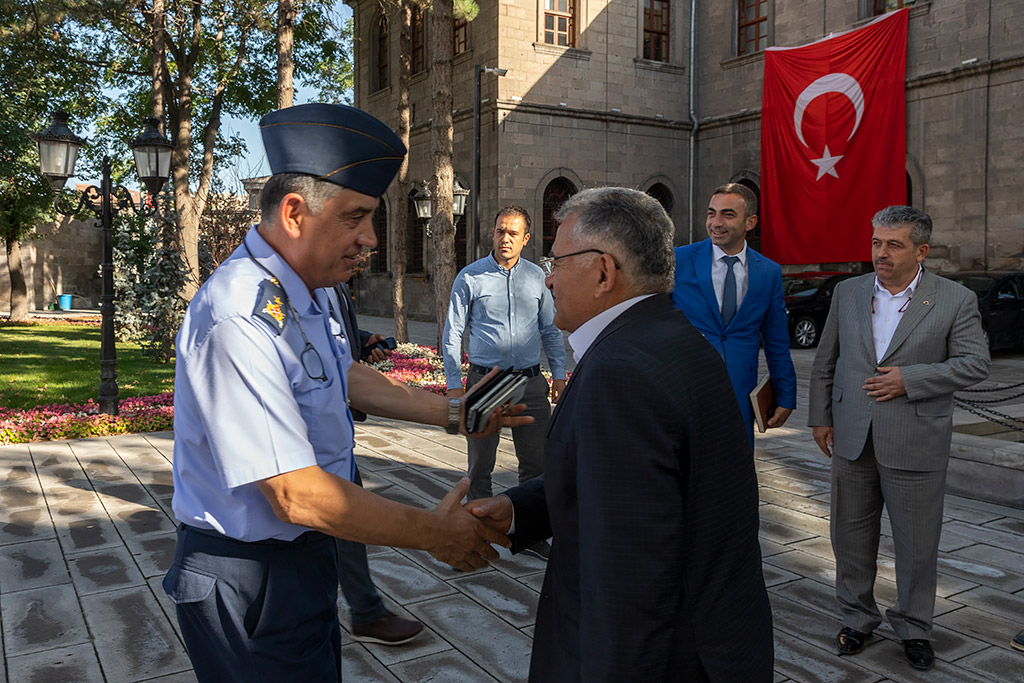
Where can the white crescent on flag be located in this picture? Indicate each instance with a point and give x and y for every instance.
(843, 84)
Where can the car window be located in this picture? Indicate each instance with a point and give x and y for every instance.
(979, 284)
(1008, 289)
(794, 286)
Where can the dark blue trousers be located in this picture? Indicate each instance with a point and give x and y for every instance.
(262, 611)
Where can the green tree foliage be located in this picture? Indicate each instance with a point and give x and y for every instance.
(40, 68)
(218, 59)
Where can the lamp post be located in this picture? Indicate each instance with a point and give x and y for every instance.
(473, 234)
(58, 152)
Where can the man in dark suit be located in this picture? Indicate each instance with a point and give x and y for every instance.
(733, 296)
(372, 622)
(896, 345)
(649, 492)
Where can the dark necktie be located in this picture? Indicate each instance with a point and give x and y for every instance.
(729, 291)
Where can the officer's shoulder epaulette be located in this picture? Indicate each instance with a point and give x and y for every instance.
(271, 304)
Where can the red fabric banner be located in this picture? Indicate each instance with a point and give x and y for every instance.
(833, 142)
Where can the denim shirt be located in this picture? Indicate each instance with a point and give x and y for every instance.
(508, 312)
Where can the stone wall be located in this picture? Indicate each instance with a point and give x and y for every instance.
(64, 260)
(600, 114)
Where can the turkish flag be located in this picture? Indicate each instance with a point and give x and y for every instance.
(833, 142)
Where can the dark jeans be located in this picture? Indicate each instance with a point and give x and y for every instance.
(261, 611)
(528, 439)
(364, 602)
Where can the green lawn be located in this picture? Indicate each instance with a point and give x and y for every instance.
(46, 363)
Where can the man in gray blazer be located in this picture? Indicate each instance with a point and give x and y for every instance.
(895, 347)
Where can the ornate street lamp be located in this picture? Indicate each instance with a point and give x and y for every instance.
(422, 200)
(58, 151)
(459, 195)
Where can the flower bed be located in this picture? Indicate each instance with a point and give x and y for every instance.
(77, 420)
(419, 366)
(87, 321)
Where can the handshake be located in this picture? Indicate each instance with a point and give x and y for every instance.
(464, 533)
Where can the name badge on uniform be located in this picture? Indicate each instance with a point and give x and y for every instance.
(271, 304)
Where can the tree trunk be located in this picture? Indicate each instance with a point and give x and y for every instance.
(285, 63)
(159, 61)
(398, 243)
(442, 253)
(19, 292)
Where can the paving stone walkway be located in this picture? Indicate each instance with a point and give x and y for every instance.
(87, 532)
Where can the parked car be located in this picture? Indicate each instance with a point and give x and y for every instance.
(1001, 300)
(808, 297)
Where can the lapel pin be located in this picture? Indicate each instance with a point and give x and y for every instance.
(926, 302)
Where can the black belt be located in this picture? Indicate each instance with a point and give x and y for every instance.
(526, 372)
(302, 539)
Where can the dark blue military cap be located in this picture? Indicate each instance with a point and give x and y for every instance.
(334, 142)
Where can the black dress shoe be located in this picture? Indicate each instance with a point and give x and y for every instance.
(1018, 641)
(919, 653)
(850, 641)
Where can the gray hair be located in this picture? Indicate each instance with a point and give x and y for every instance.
(316, 192)
(635, 229)
(897, 216)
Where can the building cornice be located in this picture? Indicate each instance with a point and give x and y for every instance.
(956, 73)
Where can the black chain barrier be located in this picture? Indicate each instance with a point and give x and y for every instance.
(976, 406)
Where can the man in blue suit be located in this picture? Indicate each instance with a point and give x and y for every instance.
(733, 296)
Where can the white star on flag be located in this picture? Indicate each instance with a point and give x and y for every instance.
(827, 164)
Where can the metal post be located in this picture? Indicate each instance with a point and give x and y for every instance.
(475, 232)
(108, 396)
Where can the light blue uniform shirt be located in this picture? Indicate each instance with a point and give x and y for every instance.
(509, 312)
(245, 409)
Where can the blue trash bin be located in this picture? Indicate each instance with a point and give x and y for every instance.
(65, 302)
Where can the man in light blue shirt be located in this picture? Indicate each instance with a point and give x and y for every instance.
(263, 463)
(501, 299)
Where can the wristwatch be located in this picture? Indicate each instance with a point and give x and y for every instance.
(454, 413)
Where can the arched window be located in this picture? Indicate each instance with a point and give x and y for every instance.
(419, 41)
(754, 236)
(555, 194)
(379, 257)
(382, 62)
(664, 196)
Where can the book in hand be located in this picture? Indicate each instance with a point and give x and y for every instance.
(505, 388)
(762, 400)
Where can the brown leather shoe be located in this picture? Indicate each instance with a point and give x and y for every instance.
(388, 630)
(919, 653)
(850, 641)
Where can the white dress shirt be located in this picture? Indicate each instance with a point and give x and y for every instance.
(718, 269)
(584, 335)
(887, 310)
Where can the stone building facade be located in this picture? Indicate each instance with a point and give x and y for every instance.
(631, 92)
(63, 258)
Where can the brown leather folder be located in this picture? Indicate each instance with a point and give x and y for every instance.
(762, 400)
